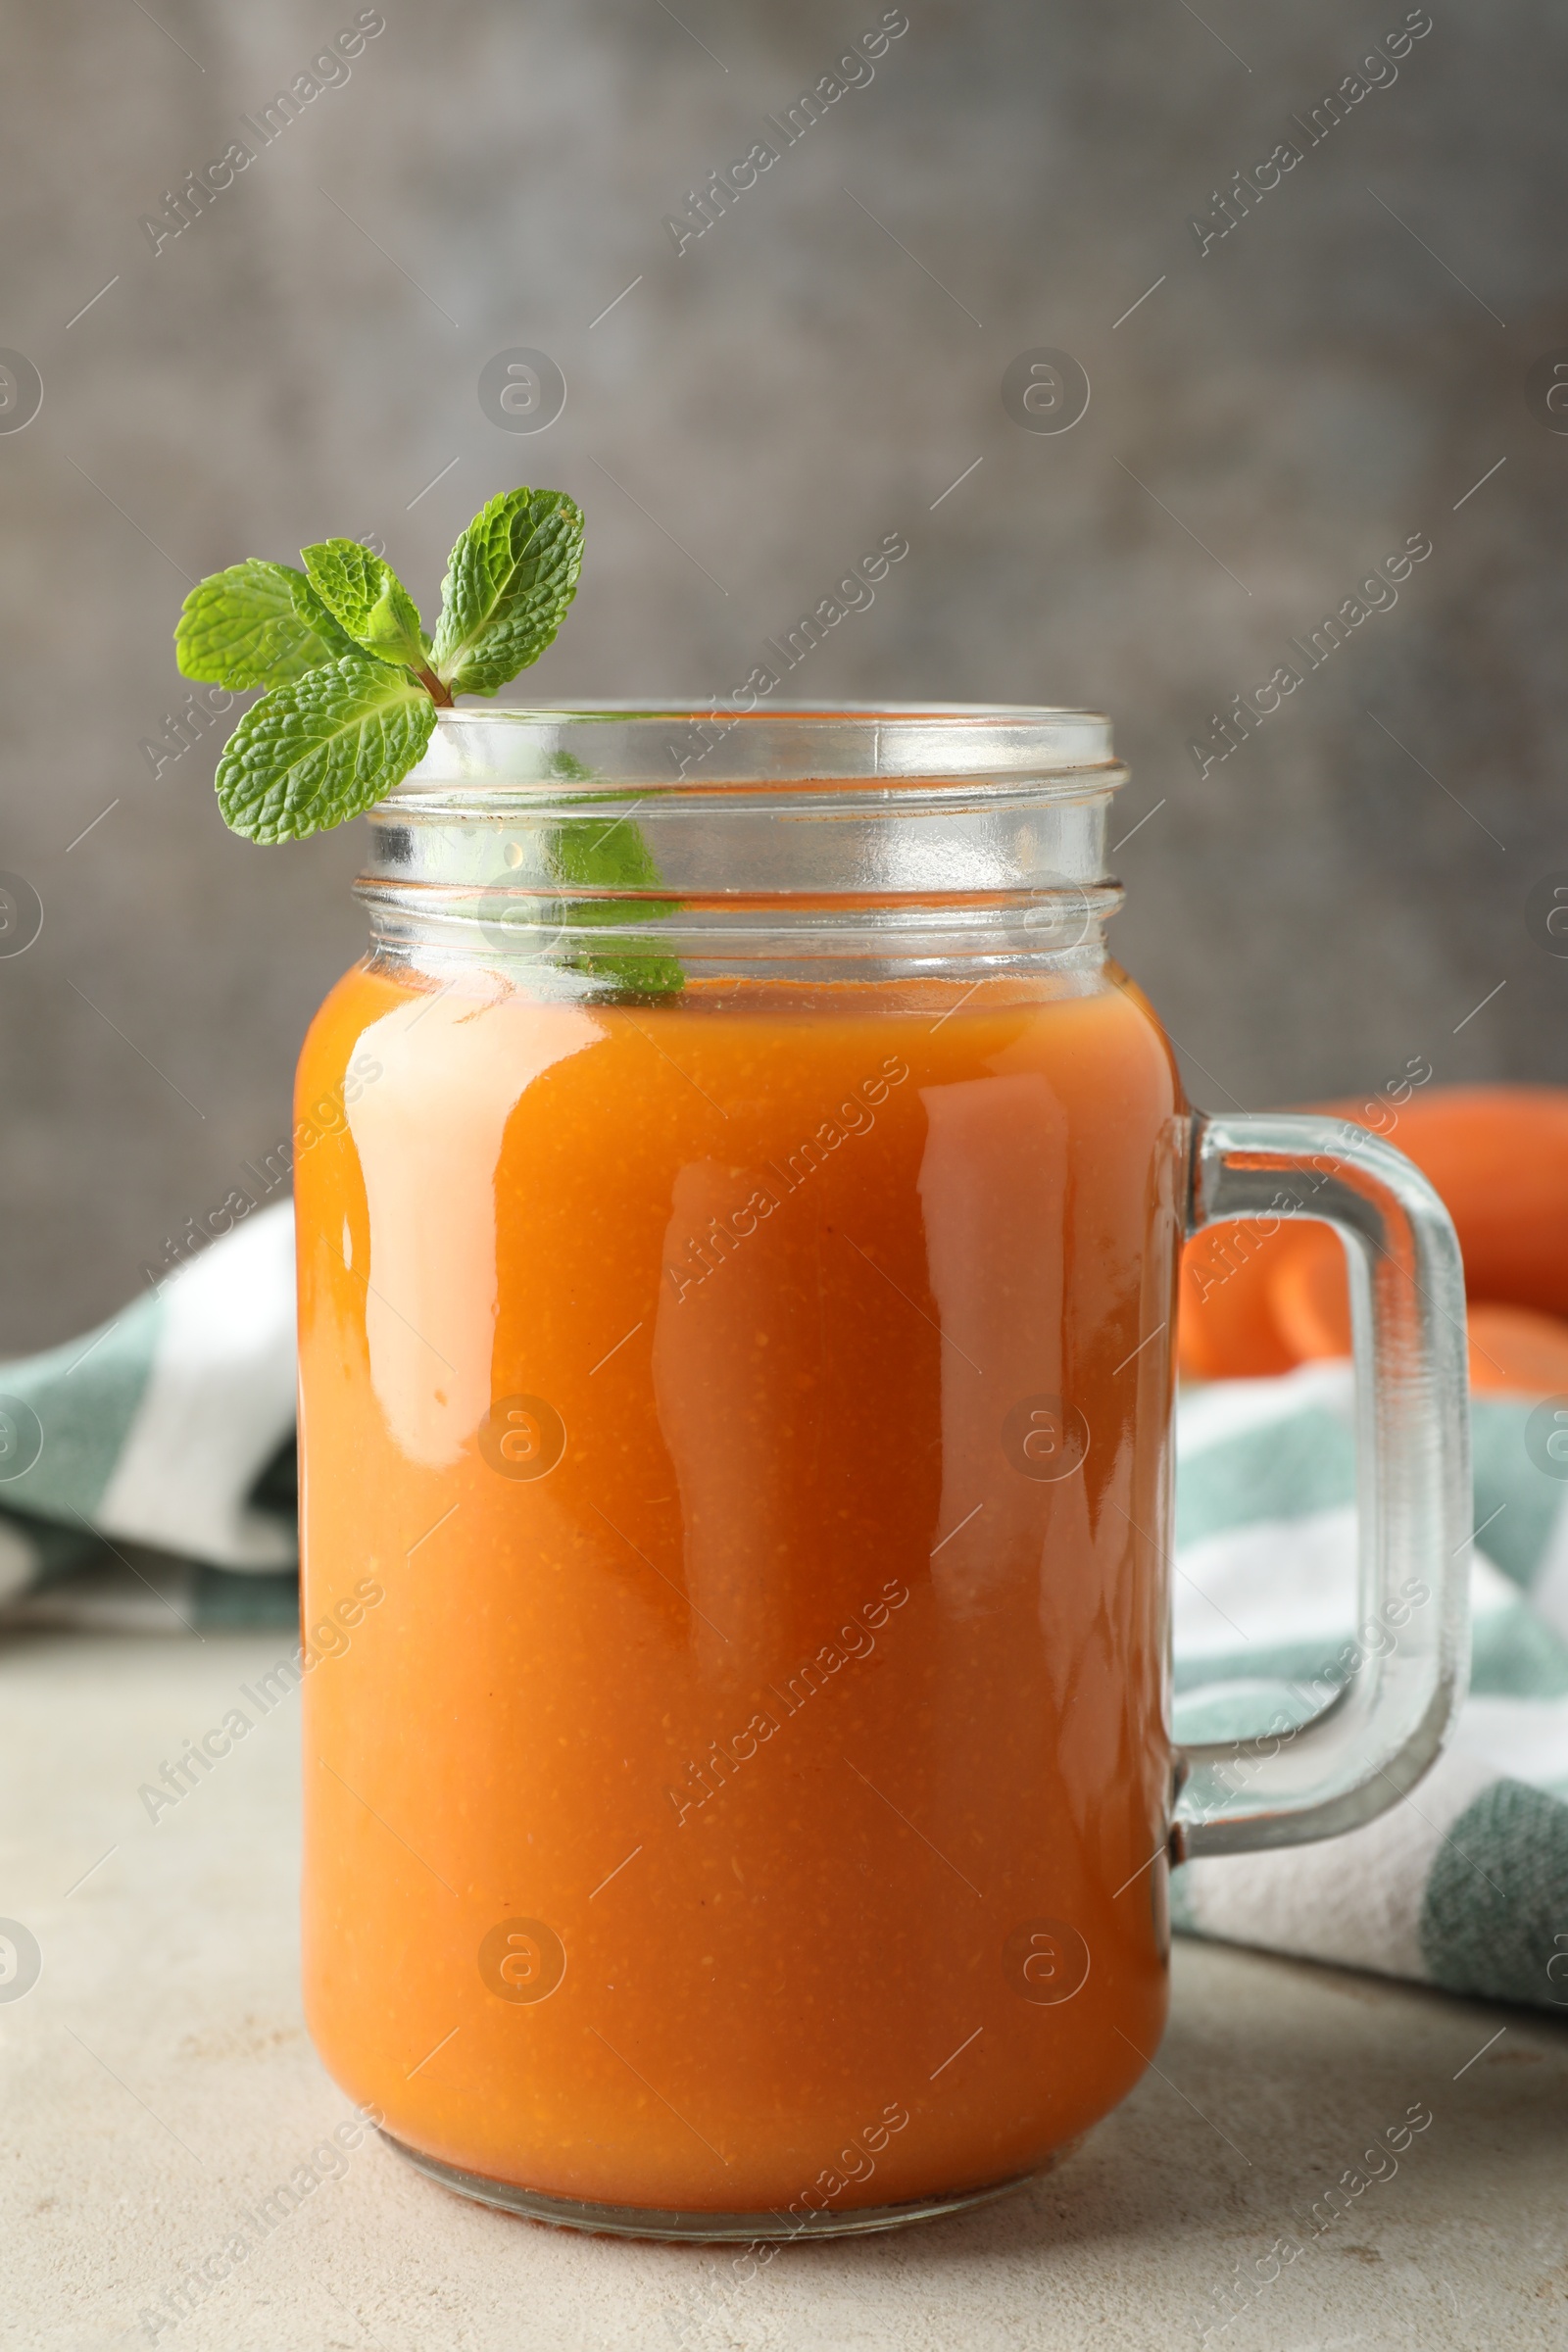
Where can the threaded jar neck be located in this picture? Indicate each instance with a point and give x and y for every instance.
(552, 845)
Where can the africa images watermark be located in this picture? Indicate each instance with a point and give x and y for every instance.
(1228, 729)
(324, 1118)
(1328, 2210)
(855, 591)
(855, 1115)
(1222, 1250)
(184, 729)
(183, 206)
(854, 1638)
(328, 1639)
(705, 206)
(709, 2298)
(1378, 73)
(1374, 1640)
(327, 2161)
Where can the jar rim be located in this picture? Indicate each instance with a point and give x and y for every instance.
(699, 745)
(620, 710)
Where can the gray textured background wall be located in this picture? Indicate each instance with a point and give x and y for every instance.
(1278, 413)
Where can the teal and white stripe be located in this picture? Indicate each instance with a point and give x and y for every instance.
(158, 1429)
(1464, 1882)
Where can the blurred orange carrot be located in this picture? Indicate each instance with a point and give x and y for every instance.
(1254, 1303)
(1513, 1348)
(1224, 1328)
(1498, 1156)
(1308, 1296)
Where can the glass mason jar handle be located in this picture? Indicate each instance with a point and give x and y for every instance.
(1362, 1752)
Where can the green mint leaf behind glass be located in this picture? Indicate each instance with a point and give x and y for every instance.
(613, 853)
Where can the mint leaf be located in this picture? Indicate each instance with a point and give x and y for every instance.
(365, 595)
(323, 748)
(609, 852)
(256, 624)
(510, 579)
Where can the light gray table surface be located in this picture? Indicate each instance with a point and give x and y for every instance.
(157, 2082)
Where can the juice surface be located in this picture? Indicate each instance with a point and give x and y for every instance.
(734, 1460)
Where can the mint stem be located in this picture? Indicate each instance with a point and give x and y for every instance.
(434, 689)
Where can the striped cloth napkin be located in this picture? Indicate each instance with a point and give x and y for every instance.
(147, 1483)
(147, 1468)
(1464, 1882)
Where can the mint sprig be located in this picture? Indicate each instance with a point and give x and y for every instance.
(353, 682)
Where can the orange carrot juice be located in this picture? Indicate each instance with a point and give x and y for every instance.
(734, 1446)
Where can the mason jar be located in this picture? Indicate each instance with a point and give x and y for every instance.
(736, 1312)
